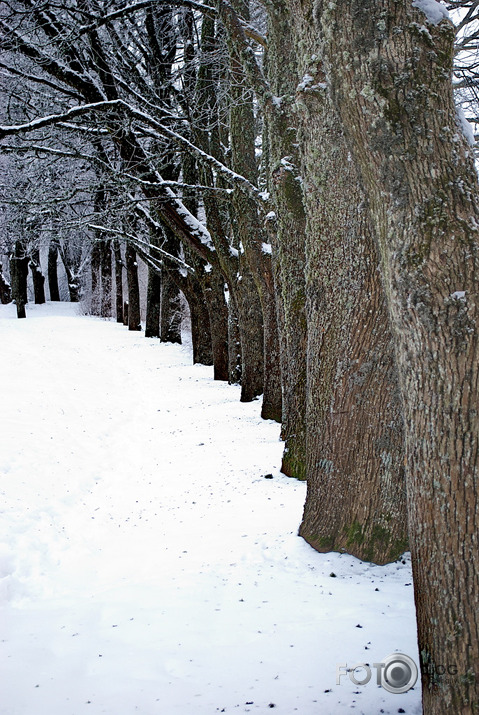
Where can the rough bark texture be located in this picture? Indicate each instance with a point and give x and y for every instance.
(290, 238)
(356, 489)
(134, 320)
(393, 90)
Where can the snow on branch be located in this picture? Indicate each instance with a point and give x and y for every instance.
(159, 132)
(141, 5)
(142, 245)
(199, 238)
(52, 119)
(434, 11)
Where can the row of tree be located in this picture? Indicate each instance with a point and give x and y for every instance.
(299, 172)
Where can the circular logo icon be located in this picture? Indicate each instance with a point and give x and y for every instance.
(399, 673)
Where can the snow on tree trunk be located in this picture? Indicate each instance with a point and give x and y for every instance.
(5, 289)
(389, 65)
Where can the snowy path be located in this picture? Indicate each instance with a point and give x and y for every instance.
(146, 564)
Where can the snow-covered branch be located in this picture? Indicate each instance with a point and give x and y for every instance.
(134, 7)
(137, 242)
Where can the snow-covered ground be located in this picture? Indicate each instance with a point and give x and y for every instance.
(146, 563)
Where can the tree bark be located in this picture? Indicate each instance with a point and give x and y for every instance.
(19, 274)
(234, 344)
(289, 238)
(356, 489)
(53, 270)
(71, 257)
(170, 313)
(134, 318)
(214, 297)
(153, 304)
(230, 259)
(200, 326)
(106, 279)
(250, 233)
(5, 289)
(95, 259)
(37, 277)
(394, 95)
(118, 281)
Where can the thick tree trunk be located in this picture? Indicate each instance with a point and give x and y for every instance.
(53, 270)
(170, 313)
(134, 318)
(37, 277)
(153, 304)
(356, 489)
(396, 103)
(106, 279)
(118, 281)
(19, 275)
(200, 327)
(289, 238)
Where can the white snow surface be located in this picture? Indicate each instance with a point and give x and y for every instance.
(146, 564)
(465, 126)
(434, 11)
